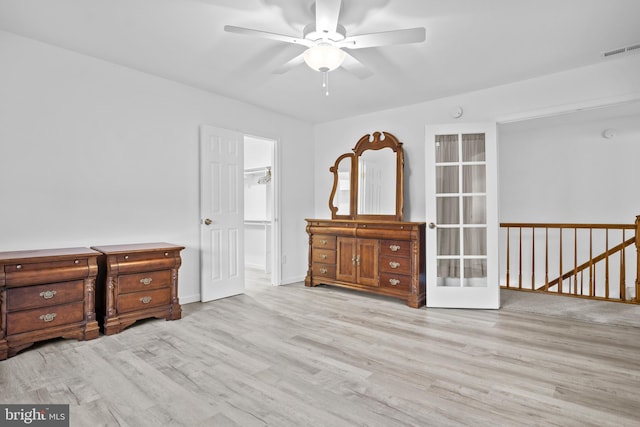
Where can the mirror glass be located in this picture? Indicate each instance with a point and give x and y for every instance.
(342, 198)
(377, 182)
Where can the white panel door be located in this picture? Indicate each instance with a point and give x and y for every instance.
(221, 213)
(462, 216)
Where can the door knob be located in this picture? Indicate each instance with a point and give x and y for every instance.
(207, 221)
(432, 225)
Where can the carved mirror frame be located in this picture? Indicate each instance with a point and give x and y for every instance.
(377, 141)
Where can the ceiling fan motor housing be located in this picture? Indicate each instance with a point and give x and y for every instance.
(309, 33)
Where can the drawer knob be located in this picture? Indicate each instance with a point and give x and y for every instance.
(48, 317)
(394, 248)
(166, 254)
(48, 294)
(394, 264)
(126, 257)
(394, 282)
(323, 256)
(77, 261)
(145, 300)
(323, 271)
(146, 280)
(324, 242)
(19, 267)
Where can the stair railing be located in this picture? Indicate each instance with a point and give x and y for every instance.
(596, 261)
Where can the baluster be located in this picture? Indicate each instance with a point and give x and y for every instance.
(606, 264)
(575, 261)
(637, 297)
(520, 262)
(508, 256)
(623, 289)
(591, 266)
(546, 259)
(533, 258)
(560, 265)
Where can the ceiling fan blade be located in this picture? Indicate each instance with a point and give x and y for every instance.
(267, 35)
(298, 60)
(385, 38)
(356, 67)
(327, 13)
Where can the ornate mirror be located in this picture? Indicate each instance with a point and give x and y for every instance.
(369, 183)
(341, 201)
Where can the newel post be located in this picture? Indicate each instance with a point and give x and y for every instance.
(637, 297)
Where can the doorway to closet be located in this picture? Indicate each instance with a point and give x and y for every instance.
(260, 190)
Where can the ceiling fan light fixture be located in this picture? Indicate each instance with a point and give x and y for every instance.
(324, 57)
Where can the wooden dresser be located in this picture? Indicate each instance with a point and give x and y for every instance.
(382, 257)
(135, 282)
(46, 294)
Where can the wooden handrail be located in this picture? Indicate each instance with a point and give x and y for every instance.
(592, 261)
(558, 225)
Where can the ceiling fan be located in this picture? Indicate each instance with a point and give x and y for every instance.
(326, 41)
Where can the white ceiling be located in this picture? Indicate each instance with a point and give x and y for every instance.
(471, 44)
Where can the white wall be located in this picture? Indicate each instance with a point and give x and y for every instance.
(92, 153)
(564, 165)
(609, 81)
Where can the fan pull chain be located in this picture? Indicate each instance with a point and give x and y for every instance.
(325, 82)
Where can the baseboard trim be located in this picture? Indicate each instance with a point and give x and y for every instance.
(290, 280)
(189, 299)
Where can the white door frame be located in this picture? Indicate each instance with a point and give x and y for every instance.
(276, 265)
(276, 272)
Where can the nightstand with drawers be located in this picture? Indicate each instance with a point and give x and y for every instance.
(137, 281)
(46, 294)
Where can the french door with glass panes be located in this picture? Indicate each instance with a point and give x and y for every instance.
(462, 232)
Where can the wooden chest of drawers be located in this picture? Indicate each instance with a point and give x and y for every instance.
(135, 282)
(46, 294)
(382, 257)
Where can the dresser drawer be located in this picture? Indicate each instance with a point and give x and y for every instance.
(397, 282)
(32, 273)
(324, 256)
(144, 281)
(143, 300)
(44, 295)
(323, 241)
(141, 262)
(395, 265)
(323, 270)
(45, 317)
(398, 248)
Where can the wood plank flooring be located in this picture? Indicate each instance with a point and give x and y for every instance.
(296, 356)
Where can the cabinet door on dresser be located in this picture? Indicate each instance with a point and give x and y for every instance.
(367, 262)
(357, 261)
(346, 253)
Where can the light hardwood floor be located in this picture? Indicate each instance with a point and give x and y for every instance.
(296, 356)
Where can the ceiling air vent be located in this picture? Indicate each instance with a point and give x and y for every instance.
(621, 50)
